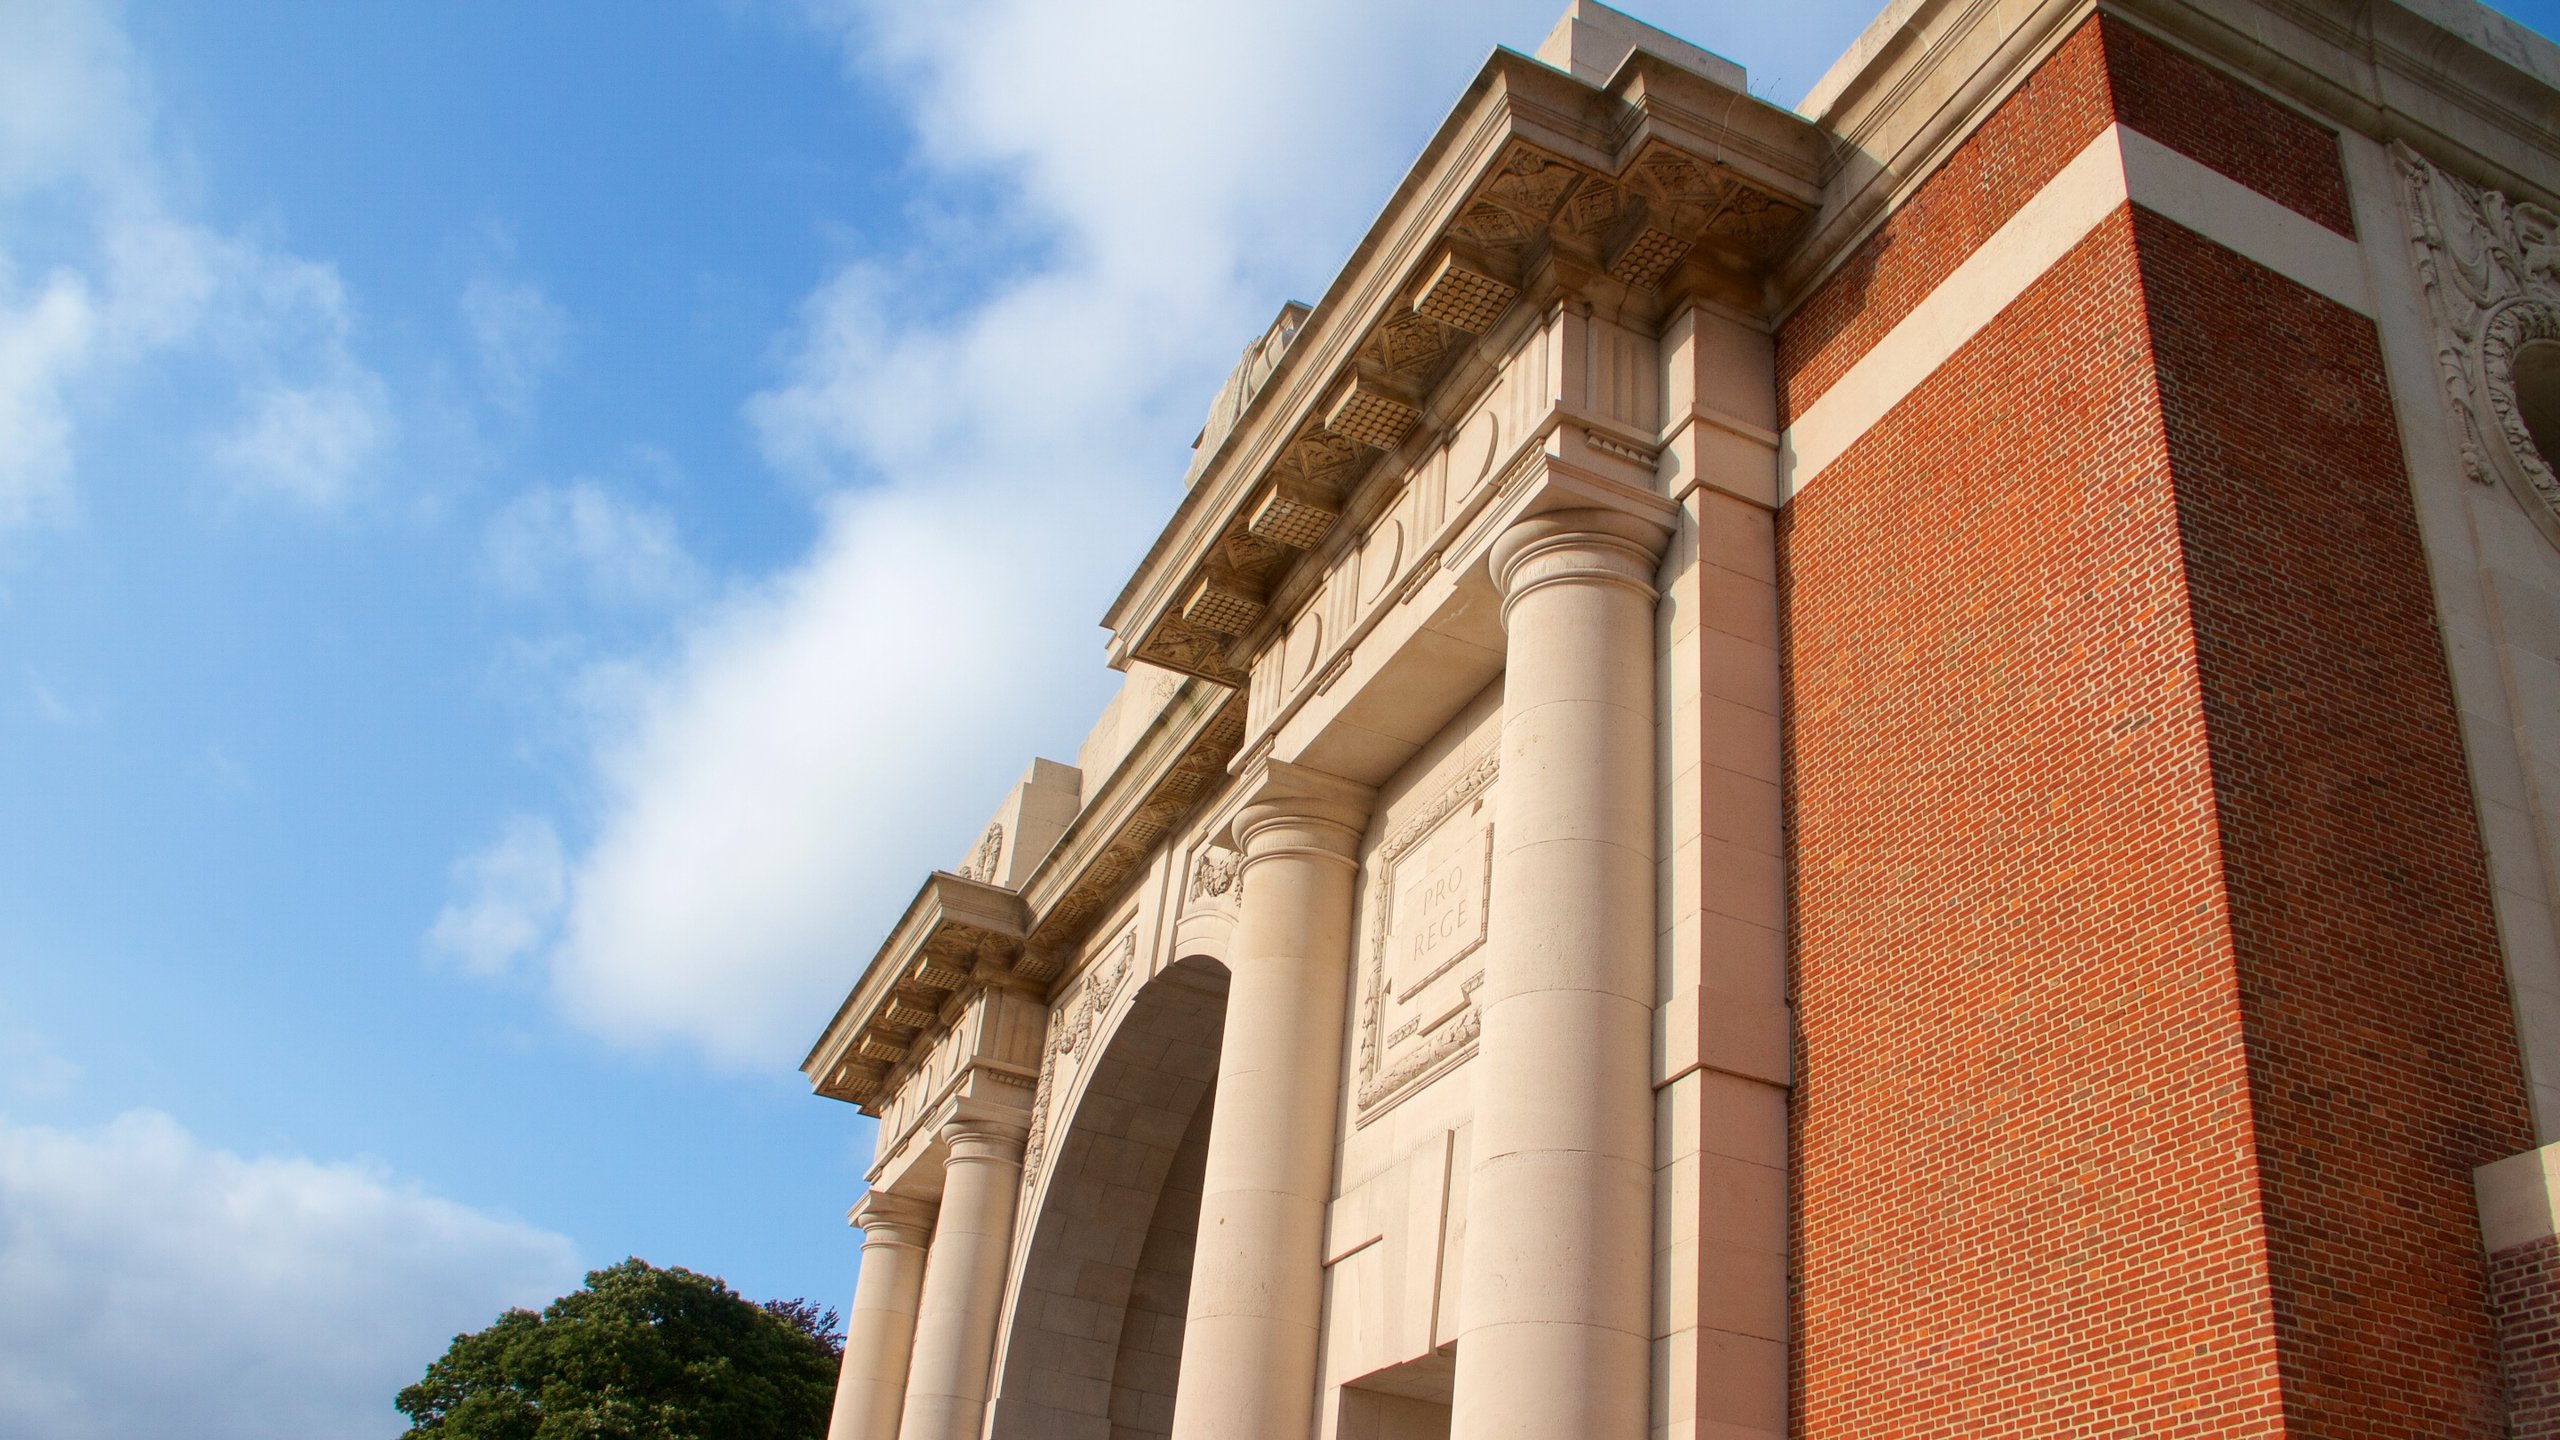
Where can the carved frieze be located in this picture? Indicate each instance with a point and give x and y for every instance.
(2491, 267)
(1430, 907)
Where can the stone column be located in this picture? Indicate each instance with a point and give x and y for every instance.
(1257, 1277)
(964, 1273)
(1555, 1303)
(881, 1331)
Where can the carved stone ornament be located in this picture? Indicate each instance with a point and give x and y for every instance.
(1035, 1147)
(982, 864)
(1448, 1037)
(1071, 1027)
(2489, 266)
(1099, 988)
(1215, 875)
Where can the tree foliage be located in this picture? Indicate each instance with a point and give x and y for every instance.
(639, 1354)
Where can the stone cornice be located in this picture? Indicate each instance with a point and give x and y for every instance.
(956, 934)
(1663, 184)
(2418, 73)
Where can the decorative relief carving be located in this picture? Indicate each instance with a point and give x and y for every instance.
(1035, 1146)
(1408, 347)
(1071, 1029)
(982, 864)
(1530, 182)
(1099, 988)
(2491, 266)
(1429, 916)
(1216, 873)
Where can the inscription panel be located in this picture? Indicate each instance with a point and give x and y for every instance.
(1429, 913)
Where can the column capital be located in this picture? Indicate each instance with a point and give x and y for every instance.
(886, 1219)
(976, 1129)
(1293, 810)
(1584, 545)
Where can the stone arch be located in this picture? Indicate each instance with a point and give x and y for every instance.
(1094, 1337)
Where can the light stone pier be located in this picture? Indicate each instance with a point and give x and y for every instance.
(1556, 1338)
(1250, 1342)
(880, 1333)
(955, 1330)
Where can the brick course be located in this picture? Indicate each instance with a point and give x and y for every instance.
(2524, 1292)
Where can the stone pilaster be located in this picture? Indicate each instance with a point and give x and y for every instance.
(1556, 1307)
(880, 1333)
(1249, 1343)
(955, 1335)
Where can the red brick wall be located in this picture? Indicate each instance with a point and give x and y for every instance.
(2382, 1048)
(2026, 1186)
(2105, 71)
(2524, 1290)
(2151, 1012)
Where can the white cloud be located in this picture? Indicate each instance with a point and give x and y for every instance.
(510, 900)
(517, 334)
(101, 272)
(998, 415)
(307, 442)
(161, 1286)
(617, 552)
(46, 339)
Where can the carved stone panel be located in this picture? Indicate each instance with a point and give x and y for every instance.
(1071, 1044)
(1429, 909)
(2491, 266)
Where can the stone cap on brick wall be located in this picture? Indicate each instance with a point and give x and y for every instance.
(2517, 1199)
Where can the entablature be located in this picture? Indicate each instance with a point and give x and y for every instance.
(957, 936)
(1661, 188)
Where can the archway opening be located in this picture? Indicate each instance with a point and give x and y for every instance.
(1095, 1341)
(2537, 377)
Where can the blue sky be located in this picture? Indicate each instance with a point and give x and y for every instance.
(524, 531)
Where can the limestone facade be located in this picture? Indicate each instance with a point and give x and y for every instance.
(1889, 769)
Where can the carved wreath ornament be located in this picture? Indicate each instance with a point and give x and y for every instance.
(1069, 1030)
(2489, 266)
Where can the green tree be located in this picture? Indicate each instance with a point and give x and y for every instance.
(639, 1354)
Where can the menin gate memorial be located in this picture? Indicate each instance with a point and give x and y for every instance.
(1890, 769)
